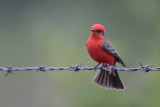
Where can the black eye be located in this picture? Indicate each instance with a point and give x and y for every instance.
(99, 31)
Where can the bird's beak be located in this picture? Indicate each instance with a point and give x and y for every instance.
(93, 30)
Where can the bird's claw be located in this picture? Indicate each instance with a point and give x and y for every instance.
(96, 67)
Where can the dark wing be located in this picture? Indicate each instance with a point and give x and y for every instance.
(107, 46)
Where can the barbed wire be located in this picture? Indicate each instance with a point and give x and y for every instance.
(43, 68)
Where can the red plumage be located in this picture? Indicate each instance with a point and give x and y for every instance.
(96, 51)
(102, 51)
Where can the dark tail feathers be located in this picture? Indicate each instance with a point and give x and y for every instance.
(110, 81)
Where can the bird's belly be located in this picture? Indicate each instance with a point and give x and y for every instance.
(98, 54)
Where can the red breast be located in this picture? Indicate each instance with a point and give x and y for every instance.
(96, 51)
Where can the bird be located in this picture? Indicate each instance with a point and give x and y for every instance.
(102, 51)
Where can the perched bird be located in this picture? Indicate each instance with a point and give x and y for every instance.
(102, 51)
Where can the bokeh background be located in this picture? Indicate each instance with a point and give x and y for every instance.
(54, 32)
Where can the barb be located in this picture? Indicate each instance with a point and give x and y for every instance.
(43, 68)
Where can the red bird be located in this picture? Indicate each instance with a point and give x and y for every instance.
(102, 51)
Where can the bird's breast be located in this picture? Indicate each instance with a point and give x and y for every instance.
(97, 52)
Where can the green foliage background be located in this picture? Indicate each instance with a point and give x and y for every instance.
(54, 32)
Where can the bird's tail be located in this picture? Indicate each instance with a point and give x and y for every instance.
(108, 80)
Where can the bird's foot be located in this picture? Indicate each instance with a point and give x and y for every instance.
(96, 66)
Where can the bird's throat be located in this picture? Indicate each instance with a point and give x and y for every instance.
(96, 36)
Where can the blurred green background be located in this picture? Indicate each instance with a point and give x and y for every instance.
(54, 32)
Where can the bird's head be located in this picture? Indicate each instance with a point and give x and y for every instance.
(98, 28)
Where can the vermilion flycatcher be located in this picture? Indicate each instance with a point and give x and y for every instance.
(102, 51)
